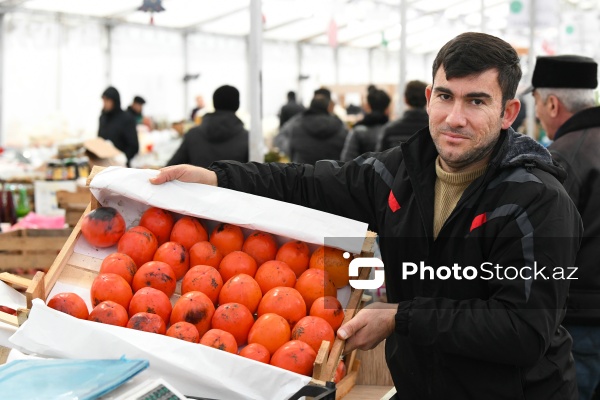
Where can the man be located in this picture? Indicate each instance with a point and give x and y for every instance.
(563, 88)
(364, 135)
(316, 134)
(195, 116)
(289, 109)
(467, 191)
(136, 108)
(414, 118)
(220, 136)
(117, 125)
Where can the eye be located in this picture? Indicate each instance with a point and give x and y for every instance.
(444, 96)
(478, 102)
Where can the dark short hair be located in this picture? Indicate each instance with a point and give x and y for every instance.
(320, 103)
(378, 100)
(139, 100)
(414, 93)
(324, 92)
(291, 95)
(472, 53)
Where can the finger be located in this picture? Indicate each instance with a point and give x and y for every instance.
(165, 175)
(347, 330)
(159, 179)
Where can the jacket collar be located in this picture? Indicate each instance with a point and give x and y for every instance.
(587, 118)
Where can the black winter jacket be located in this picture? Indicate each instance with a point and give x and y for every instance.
(402, 129)
(290, 109)
(457, 338)
(312, 136)
(363, 137)
(576, 147)
(119, 126)
(221, 136)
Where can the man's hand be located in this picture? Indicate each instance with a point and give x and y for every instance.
(185, 173)
(370, 326)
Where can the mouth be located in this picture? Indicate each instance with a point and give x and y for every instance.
(454, 136)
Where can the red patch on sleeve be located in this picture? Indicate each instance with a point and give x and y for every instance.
(478, 221)
(393, 203)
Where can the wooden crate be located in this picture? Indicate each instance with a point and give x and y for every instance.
(74, 203)
(81, 270)
(31, 248)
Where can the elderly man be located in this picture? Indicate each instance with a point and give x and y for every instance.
(565, 103)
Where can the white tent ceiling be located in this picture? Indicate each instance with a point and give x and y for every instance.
(360, 23)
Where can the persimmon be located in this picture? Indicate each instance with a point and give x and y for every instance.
(283, 301)
(270, 330)
(188, 231)
(109, 312)
(221, 340)
(195, 308)
(138, 243)
(333, 261)
(237, 262)
(330, 309)
(315, 283)
(234, 318)
(273, 274)
(261, 246)
(176, 256)
(205, 279)
(159, 222)
(151, 300)
(295, 356)
(69, 303)
(340, 372)
(147, 322)
(156, 274)
(110, 287)
(296, 255)
(257, 352)
(103, 227)
(312, 331)
(184, 331)
(120, 264)
(241, 289)
(204, 253)
(227, 238)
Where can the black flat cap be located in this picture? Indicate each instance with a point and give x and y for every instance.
(568, 72)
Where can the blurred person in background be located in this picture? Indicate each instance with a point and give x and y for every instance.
(414, 118)
(316, 134)
(117, 125)
(364, 135)
(565, 103)
(136, 108)
(196, 112)
(291, 108)
(220, 136)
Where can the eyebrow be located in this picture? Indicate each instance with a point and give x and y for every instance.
(471, 95)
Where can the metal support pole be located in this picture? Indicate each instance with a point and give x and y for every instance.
(402, 77)
(59, 42)
(482, 11)
(108, 54)
(255, 81)
(300, 66)
(2, 58)
(186, 71)
(529, 100)
(371, 74)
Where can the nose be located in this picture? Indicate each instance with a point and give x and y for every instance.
(456, 118)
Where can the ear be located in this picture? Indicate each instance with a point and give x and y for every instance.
(511, 110)
(428, 91)
(553, 105)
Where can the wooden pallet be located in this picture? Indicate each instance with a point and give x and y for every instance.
(31, 248)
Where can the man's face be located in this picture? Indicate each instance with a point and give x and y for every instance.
(137, 107)
(108, 104)
(465, 118)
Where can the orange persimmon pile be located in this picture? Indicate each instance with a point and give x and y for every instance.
(243, 295)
